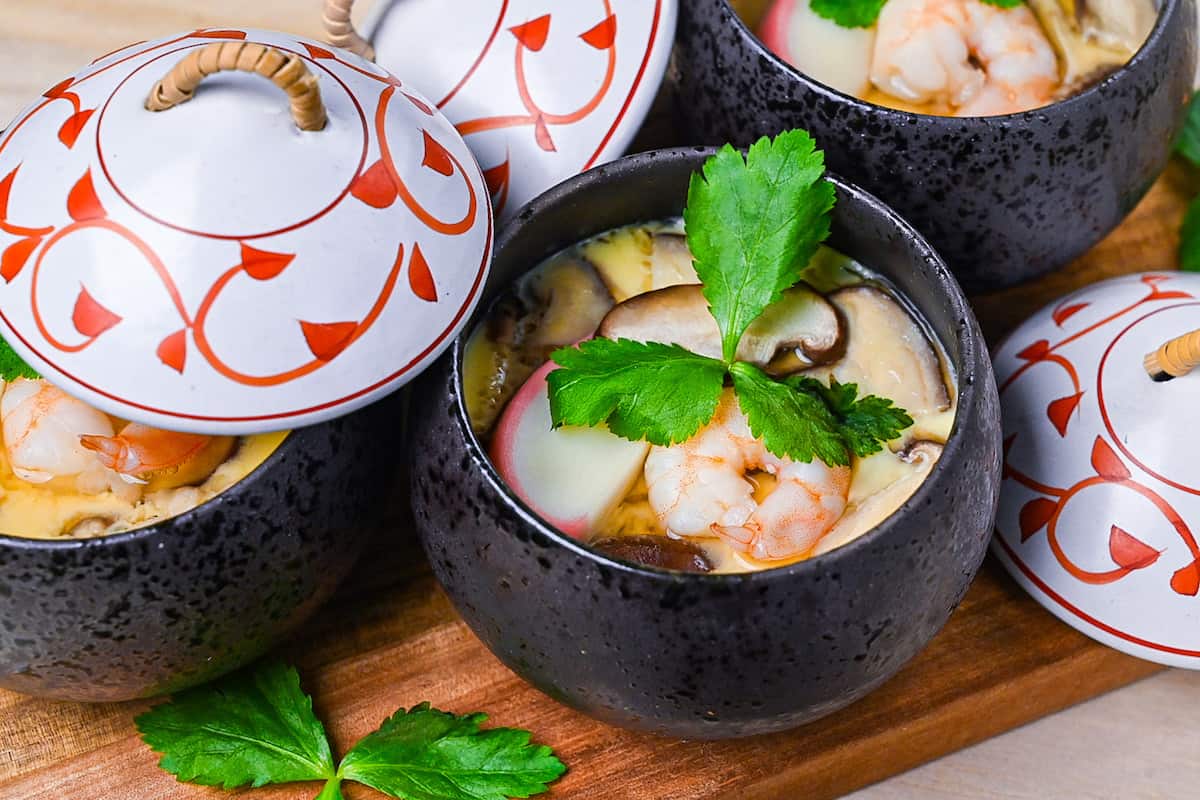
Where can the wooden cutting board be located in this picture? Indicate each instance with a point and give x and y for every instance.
(391, 638)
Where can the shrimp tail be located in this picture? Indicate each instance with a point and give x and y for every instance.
(113, 452)
(739, 537)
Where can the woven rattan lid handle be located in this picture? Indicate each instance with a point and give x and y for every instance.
(340, 30)
(285, 70)
(1176, 358)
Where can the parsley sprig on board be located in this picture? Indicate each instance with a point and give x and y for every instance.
(865, 13)
(1188, 146)
(752, 226)
(257, 727)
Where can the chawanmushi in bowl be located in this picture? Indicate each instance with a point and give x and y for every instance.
(1014, 134)
(221, 251)
(710, 475)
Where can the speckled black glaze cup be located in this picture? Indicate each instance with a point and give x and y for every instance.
(706, 656)
(167, 606)
(1003, 199)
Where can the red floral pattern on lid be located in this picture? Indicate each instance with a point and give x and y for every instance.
(149, 293)
(1102, 541)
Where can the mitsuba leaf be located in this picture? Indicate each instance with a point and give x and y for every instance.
(791, 424)
(12, 366)
(255, 727)
(641, 390)
(1188, 144)
(864, 424)
(753, 224)
(426, 754)
(865, 13)
(1189, 238)
(849, 13)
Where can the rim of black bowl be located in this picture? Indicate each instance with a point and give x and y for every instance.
(8, 540)
(966, 396)
(1165, 7)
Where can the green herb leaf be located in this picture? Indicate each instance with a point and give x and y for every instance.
(332, 790)
(792, 424)
(254, 727)
(1189, 238)
(865, 13)
(426, 754)
(849, 13)
(12, 366)
(866, 423)
(657, 392)
(1188, 144)
(754, 224)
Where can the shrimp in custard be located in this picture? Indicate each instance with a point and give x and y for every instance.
(701, 488)
(42, 425)
(968, 55)
(54, 439)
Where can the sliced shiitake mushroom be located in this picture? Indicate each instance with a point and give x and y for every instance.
(800, 330)
(915, 463)
(572, 300)
(554, 308)
(1094, 37)
(887, 354)
(635, 260)
(656, 551)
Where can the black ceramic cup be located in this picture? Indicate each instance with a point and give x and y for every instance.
(706, 656)
(1002, 199)
(180, 602)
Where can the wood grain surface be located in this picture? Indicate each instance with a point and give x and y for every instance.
(391, 637)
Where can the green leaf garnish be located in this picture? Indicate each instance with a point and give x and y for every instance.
(657, 392)
(12, 366)
(752, 226)
(792, 424)
(864, 423)
(257, 727)
(865, 13)
(426, 754)
(1189, 238)
(1188, 144)
(849, 13)
(252, 728)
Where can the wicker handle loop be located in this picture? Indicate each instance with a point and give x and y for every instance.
(340, 30)
(285, 70)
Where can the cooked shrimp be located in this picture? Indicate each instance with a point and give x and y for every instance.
(42, 426)
(976, 58)
(151, 455)
(700, 489)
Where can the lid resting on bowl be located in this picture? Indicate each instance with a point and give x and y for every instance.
(1100, 508)
(540, 90)
(282, 248)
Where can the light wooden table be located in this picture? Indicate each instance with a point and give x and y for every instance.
(1139, 742)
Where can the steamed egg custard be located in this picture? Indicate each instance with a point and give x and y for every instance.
(68, 470)
(968, 58)
(719, 501)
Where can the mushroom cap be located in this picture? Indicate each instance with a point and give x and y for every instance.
(887, 352)
(799, 331)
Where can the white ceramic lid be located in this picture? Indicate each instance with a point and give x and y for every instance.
(212, 267)
(1100, 506)
(540, 90)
